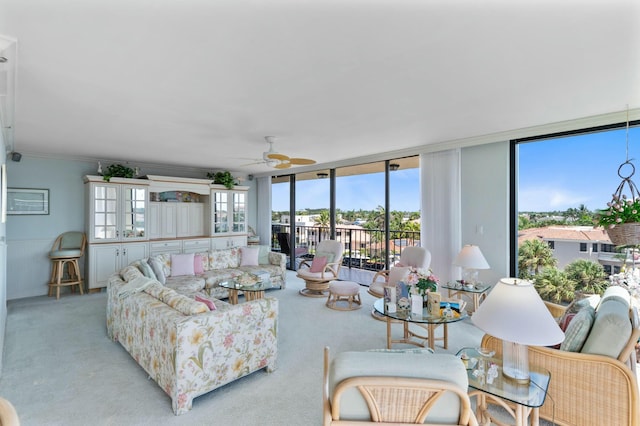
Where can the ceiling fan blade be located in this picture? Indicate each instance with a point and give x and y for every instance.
(276, 156)
(300, 161)
(282, 166)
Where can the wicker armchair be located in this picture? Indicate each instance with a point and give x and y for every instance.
(586, 389)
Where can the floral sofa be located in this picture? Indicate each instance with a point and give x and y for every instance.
(187, 347)
(196, 272)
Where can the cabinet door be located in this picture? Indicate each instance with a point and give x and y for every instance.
(219, 212)
(134, 212)
(104, 260)
(196, 219)
(133, 251)
(182, 220)
(168, 220)
(153, 221)
(239, 212)
(104, 212)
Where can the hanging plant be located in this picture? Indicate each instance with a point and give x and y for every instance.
(222, 178)
(118, 170)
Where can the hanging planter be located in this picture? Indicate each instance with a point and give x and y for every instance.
(621, 220)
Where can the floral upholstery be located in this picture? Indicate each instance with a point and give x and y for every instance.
(189, 355)
(185, 284)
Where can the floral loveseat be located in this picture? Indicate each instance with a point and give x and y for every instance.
(184, 346)
(196, 272)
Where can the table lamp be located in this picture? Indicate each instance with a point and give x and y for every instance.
(470, 259)
(515, 313)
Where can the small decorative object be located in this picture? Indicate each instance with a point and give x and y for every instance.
(416, 304)
(118, 170)
(433, 303)
(465, 359)
(247, 280)
(391, 307)
(390, 294)
(223, 178)
(447, 312)
(404, 304)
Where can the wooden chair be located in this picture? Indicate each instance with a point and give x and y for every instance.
(64, 255)
(317, 282)
(393, 399)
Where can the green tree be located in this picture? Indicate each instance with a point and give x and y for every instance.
(554, 285)
(533, 255)
(589, 276)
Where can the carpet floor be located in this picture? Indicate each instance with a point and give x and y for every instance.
(61, 369)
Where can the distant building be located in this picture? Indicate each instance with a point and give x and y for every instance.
(576, 242)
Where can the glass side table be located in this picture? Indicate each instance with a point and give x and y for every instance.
(521, 401)
(476, 293)
(251, 292)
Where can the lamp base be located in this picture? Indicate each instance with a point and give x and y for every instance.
(515, 362)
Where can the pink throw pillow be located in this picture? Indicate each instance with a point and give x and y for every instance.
(249, 256)
(198, 267)
(209, 303)
(181, 264)
(318, 264)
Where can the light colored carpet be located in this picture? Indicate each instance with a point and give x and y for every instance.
(61, 369)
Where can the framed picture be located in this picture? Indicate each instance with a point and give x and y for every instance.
(27, 201)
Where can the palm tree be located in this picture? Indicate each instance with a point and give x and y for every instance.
(588, 275)
(554, 285)
(323, 221)
(533, 255)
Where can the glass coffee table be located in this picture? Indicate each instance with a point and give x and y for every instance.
(521, 401)
(424, 320)
(250, 291)
(477, 293)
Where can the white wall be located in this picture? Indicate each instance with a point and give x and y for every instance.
(485, 205)
(29, 238)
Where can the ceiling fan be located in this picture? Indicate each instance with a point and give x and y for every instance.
(281, 161)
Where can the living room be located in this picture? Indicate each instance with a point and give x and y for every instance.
(570, 67)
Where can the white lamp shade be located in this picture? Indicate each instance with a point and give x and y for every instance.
(470, 257)
(515, 312)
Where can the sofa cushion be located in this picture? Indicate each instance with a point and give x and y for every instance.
(185, 284)
(144, 266)
(330, 256)
(263, 255)
(130, 272)
(611, 328)
(432, 366)
(182, 264)
(156, 266)
(208, 302)
(578, 330)
(249, 256)
(224, 258)
(198, 265)
(179, 302)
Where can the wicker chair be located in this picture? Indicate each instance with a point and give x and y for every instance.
(377, 392)
(414, 257)
(586, 389)
(8, 415)
(317, 282)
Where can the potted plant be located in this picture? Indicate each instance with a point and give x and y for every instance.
(223, 178)
(621, 220)
(118, 170)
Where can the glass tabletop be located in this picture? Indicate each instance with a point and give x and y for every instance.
(532, 394)
(259, 286)
(478, 288)
(424, 317)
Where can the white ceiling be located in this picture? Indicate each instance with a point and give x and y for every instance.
(201, 82)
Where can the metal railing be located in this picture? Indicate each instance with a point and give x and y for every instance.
(363, 248)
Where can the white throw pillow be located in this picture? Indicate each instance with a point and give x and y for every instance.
(249, 256)
(182, 264)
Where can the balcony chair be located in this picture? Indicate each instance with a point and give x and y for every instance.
(395, 388)
(64, 255)
(411, 257)
(324, 268)
(285, 248)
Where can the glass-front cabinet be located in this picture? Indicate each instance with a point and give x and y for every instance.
(228, 211)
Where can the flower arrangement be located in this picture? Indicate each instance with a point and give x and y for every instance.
(423, 280)
(619, 210)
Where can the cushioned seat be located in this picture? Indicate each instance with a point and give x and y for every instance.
(64, 255)
(344, 296)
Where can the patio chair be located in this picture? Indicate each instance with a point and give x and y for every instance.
(399, 388)
(324, 268)
(285, 248)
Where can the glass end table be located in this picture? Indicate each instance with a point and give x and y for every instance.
(521, 401)
(477, 293)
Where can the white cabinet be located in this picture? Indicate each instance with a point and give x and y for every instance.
(190, 220)
(153, 221)
(196, 246)
(226, 242)
(168, 224)
(106, 259)
(169, 246)
(117, 210)
(228, 211)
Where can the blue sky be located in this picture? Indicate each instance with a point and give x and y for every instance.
(555, 174)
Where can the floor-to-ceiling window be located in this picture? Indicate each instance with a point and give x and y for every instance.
(560, 183)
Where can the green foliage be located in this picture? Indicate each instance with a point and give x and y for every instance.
(534, 255)
(554, 285)
(222, 178)
(620, 210)
(589, 276)
(118, 170)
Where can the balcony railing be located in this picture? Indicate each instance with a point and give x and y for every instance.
(363, 248)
